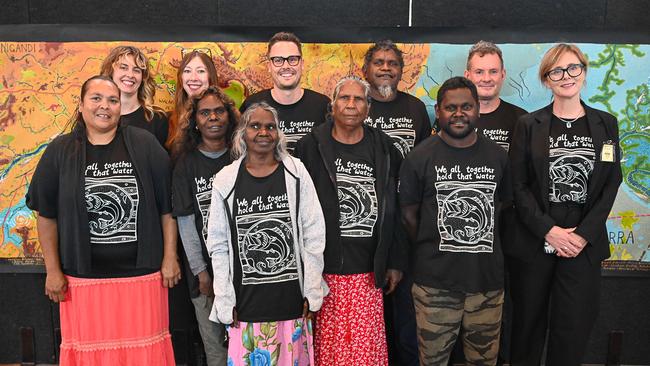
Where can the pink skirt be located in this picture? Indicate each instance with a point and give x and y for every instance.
(282, 343)
(116, 321)
(350, 327)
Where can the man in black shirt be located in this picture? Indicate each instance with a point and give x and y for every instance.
(485, 69)
(354, 168)
(299, 109)
(497, 122)
(404, 118)
(451, 189)
(400, 115)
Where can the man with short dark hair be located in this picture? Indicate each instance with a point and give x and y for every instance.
(486, 70)
(405, 119)
(354, 168)
(299, 109)
(451, 189)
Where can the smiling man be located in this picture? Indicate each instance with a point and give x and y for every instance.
(354, 168)
(400, 115)
(451, 189)
(486, 70)
(299, 109)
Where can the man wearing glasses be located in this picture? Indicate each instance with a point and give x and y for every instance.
(299, 109)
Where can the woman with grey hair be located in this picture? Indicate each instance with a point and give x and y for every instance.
(266, 236)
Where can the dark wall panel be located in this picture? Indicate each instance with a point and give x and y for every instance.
(332, 13)
(628, 14)
(14, 12)
(23, 304)
(578, 14)
(189, 12)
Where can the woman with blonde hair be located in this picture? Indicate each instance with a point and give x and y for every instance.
(565, 161)
(130, 70)
(195, 74)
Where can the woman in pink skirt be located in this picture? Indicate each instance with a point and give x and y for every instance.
(266, 236)
(102, 194)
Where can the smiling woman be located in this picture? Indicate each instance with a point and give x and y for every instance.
(114, 249)
(566, 172)
(199, 153)
(130, 70)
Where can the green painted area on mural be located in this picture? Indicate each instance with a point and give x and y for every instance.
(6, 139)
(628, 219)
(236, 91)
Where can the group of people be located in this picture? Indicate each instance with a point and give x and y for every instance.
(301, 217)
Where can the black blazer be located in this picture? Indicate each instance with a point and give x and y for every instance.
(529, 159)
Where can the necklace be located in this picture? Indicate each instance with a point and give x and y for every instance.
(568, 122)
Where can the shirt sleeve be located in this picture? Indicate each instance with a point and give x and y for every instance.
(181, 190)
(43, 193)
(191, 243)
(410, 188)
(161, 175)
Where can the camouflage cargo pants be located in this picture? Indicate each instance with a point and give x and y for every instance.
(440, 314)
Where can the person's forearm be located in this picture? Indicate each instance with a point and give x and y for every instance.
(191, 243)
(48, 237)
(170, 235)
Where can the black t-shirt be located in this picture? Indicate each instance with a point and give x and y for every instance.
(499, 124)
(192, 189)
(358, 204)
(265, 267)
(158, 126)
(404, 119)
(112, 199)
(459, 193)
(571, 162)
(297, 119)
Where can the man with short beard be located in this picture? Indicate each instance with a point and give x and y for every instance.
(485, 69)
(400, 115)
(299, 109)
(451, 189)
(405, 119)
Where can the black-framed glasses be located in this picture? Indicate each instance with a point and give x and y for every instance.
(292, 60)
(573, 70)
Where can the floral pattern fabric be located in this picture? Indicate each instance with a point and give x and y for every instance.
(350, 327)
(282, 343)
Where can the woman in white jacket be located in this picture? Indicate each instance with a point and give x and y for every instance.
(266, 236)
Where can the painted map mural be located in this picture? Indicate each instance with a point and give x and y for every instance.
(40, 87)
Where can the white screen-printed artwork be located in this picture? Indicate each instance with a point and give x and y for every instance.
(466, 216)
(357, 205)
(203, 201)
(112, 205)
(266, 250)
(569, 171)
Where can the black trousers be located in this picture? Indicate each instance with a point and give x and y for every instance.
(558, 294)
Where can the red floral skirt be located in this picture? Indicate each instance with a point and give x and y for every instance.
(116, 321)
(350, 326)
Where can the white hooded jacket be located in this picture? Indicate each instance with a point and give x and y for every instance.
(308, 227)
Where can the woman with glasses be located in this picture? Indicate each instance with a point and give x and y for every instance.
(195, 74)
(565, 162)
(130, 70)
(199, 153)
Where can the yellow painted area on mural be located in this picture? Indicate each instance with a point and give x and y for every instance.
(28, 75)
(420, 92)
(620, 252)
(628, 219)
